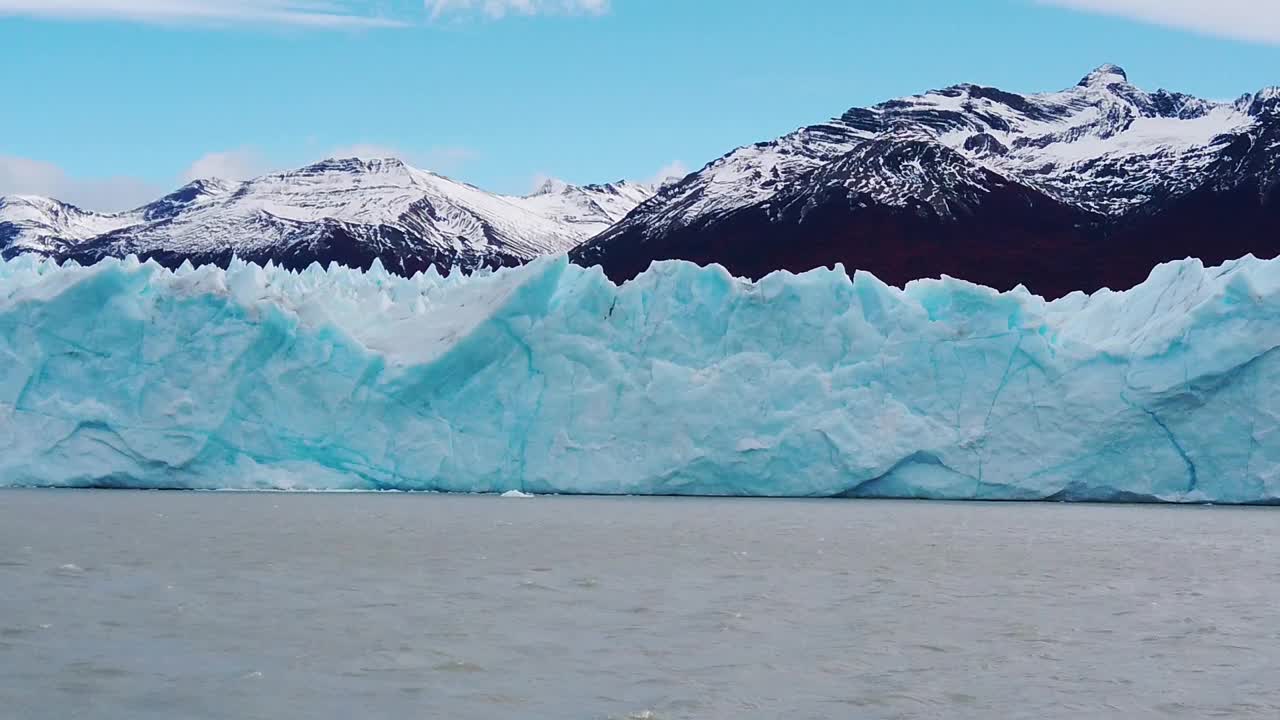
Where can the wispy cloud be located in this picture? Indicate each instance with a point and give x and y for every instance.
(670, 172)
(502, 8)
(238, 164)
(24, 176)
(447, 159)
(1251, 20)
(320, 14)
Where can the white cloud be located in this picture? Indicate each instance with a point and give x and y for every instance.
(446, 158)
(501, 8)
(240, 164)
(302, 13)
(674, 170)
(23, 176)
(1252, 20)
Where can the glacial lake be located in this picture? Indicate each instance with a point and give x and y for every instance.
(165, 605)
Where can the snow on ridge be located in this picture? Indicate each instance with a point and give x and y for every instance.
(41, 222)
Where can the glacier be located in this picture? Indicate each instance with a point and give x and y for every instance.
(549, 378)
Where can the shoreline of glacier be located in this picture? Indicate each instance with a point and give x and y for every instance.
(549, 379)
(1170, 503)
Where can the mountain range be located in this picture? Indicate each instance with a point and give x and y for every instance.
(1084, 188)
(347, 211)
(1077, 189)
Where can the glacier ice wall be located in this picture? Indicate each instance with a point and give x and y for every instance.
(549, 378)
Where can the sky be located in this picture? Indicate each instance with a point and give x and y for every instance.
(111, 103)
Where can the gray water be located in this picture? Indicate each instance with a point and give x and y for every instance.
(180, 605)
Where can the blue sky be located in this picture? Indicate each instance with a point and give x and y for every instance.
(110, 102)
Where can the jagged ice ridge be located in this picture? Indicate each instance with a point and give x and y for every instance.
(550, 379)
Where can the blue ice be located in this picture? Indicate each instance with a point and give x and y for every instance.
(550, 379)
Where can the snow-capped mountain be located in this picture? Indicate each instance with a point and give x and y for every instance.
(344, 210)
(1076, 189)
(593, 208)
(40, 224)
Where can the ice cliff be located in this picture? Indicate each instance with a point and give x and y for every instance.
(549, 378)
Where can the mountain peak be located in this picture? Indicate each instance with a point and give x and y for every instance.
(353, 165)
(194, 192)
(552, 186)
(202, 186)
(1104, 76)
(1264, 102)
(27, 199)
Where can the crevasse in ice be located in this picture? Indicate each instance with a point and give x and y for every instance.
(549, 378)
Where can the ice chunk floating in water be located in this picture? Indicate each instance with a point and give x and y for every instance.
(548, 378)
